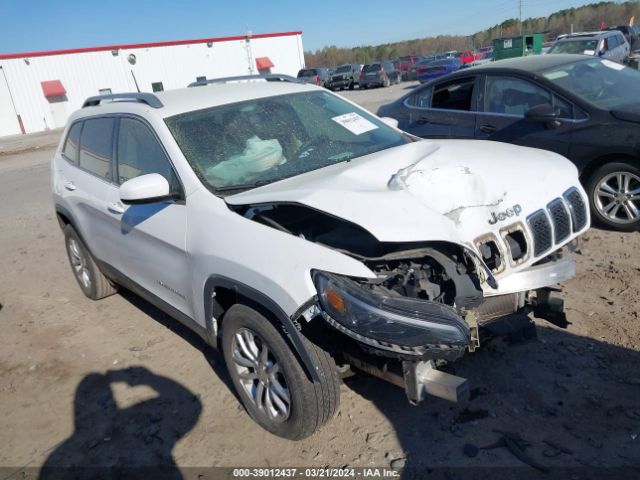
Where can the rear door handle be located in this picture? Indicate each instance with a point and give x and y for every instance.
(116, 208)
(422, 120)
(488, 128)
(69, 185)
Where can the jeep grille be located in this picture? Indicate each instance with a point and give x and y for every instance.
(577, 208)
(540, 232)
(555, 224)
(560, 219)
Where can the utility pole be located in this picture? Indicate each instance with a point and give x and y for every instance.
(520, 17)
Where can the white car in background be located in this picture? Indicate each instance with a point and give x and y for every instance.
(607, 44)
(303, 235)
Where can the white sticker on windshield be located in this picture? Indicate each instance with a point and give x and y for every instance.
(589, 52)
(614, 65)
(556, 75)
(354, 123)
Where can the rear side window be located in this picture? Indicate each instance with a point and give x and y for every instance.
(454, 95)
(95, 147)
(70, 150)
(139, 153)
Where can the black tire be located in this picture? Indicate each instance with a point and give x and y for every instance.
(91, 280)
(352, 85)
(386, 82)
(623, 218)
(311, 404)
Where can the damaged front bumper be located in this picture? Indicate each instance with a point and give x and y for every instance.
(418, 332)
(535, 277)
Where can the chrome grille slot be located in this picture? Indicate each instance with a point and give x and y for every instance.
(560, 219)
(540, 231)
(577, 208)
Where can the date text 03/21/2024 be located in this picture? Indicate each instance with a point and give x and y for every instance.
(316, 472)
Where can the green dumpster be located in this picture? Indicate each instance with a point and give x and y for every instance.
(519, 46)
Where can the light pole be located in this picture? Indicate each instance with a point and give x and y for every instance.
(520, 17)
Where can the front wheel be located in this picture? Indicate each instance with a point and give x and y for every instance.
(271, 382)
(614, 196)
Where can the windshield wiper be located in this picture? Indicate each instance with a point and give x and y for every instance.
(242, 186)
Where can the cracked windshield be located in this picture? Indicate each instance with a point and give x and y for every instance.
(252, 143)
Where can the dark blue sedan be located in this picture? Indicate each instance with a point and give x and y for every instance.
(438, 68)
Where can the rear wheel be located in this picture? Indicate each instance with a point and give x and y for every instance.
(614, 195)
(89, 277)
(351, 85)
(271, 382)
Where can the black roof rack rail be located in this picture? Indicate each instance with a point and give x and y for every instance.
(148, 98)
(269, 77)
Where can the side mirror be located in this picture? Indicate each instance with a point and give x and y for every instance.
(149, 188)
(392, 122)
(543, 113)
(601, 52)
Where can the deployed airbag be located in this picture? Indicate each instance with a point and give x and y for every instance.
(258, 156)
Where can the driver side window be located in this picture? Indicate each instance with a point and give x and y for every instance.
(512, 96)
(140, 153)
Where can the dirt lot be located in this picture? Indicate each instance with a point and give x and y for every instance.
(116, 382)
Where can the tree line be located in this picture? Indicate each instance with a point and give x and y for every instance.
(586, 18)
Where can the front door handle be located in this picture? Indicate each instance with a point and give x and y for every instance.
(488, 128)
(422, 120)
(116, 208)
(69, 185)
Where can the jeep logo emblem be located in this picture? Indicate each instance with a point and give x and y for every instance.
(501, 216)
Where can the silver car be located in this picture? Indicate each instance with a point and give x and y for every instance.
(610, 45)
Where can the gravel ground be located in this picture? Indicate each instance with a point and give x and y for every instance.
(117, 382)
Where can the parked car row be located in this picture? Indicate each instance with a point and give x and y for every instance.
(586, 109)
(415, 64)
(388, 72)
(375, 74)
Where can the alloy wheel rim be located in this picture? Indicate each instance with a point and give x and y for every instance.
(617, 197)
(260, 375)
(79, 263)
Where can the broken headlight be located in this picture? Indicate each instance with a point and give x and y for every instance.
(390, 319)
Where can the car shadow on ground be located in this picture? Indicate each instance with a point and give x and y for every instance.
(560, 406)
(120, 441)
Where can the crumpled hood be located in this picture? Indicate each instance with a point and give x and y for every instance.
(447, 190)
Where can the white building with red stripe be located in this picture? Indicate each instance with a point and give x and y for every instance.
(39, 90)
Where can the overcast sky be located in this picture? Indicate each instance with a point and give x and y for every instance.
(32, 25)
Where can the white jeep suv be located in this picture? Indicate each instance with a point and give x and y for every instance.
(304, 235)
